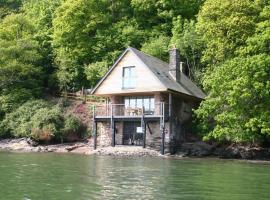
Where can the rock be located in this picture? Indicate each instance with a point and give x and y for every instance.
(200, 149)
(230, 152)
(31, 142)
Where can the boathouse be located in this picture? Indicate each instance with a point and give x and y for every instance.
(149, 102)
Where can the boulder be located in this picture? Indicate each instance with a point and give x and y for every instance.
(197, 149)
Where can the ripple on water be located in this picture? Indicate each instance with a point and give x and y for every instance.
(50, 176)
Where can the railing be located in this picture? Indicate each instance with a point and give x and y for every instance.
(160, 109)
(84, 97)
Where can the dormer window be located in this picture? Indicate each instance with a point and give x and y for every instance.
(129, 79)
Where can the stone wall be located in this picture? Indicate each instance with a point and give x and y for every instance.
(153, 135)
(104, 134)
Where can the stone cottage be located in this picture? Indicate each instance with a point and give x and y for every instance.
(149, 102)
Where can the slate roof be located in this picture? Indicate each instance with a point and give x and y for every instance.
(161, 70)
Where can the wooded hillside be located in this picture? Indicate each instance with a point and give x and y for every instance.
(49, 46)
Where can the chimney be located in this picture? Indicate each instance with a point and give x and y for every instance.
(174, 64)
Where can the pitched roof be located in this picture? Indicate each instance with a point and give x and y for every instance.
(161, 70)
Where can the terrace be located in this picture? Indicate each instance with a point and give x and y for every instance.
(124, 112)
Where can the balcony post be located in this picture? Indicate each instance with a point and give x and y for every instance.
(162, 128)
(94, 127)
(143, 125)
(112, 127)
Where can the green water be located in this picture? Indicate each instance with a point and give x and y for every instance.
(78, 177)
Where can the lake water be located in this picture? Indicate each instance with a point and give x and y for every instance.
(79, 177)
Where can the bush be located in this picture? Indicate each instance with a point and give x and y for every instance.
(40, 120)
(18, 123)
(12, 99)
(47, 124)
(72, 125)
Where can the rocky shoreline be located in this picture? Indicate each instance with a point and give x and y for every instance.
(202, 149)
(195, 149)
(27, 145)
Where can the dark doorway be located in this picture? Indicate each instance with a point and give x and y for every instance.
(130, 135)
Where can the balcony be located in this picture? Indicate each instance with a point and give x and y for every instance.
(121, 111)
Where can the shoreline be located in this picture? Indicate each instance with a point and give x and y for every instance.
(187, 150)
(25, 145)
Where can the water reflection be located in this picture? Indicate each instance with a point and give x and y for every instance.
(55, 176)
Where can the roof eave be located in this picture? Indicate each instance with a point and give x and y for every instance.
(192, 96)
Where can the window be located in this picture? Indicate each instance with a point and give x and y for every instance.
(129, 79)
(146, 102)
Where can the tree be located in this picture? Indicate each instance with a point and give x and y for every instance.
(160, 13)
(75, 26)
(95, 71)
(237, 107)
(41, 14)
(187, 40)
(157, 47)
(224, 26)
(19, 61)
(9, 6)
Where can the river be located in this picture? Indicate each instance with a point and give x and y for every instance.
(49, 176)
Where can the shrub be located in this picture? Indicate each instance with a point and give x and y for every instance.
(47, 124)
(18, 123)
(72, 127)
(14, 98)
(41, 121)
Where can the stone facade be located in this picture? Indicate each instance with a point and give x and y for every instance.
(176, 125)
(104, 134)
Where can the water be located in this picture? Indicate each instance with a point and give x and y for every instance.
(79, 177)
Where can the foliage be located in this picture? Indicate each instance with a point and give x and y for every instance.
(241, 112)
(86, 33)
(41, 14)
(157, 47)
(18, 123)
(75, 26)
(46, 124)
(237, 107)
(9, 6)
(20, 73)
(224, 26)
(95, 71)
(41, 121)
(72, 124)
(11, 100)
(187, 40)
(19, 54)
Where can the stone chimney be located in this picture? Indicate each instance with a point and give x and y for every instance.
(174, 64)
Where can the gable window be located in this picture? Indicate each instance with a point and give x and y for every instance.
(129, 79)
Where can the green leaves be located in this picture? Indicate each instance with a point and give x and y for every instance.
(19, 61)
(157, 47)
(225, 26)
(237, 77)
(95, 72)
(238, 100)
